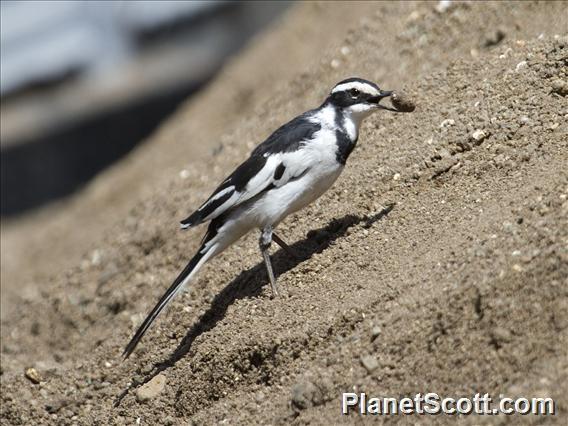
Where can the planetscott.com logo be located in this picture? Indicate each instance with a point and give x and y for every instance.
(432, 403)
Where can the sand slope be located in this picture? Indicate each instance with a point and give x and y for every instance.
(440, 253)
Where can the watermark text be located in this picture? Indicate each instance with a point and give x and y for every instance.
(432, 403)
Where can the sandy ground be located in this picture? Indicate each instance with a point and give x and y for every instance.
(437, 263)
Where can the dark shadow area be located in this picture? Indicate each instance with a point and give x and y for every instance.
(56, 165)
(249, 283)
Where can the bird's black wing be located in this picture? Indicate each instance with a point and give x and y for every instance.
(264, 169)
(288, 137)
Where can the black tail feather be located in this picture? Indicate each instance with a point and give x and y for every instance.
(193, 220)
(186, 223)
(164, 300)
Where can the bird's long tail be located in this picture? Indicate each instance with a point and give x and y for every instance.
(205, 252)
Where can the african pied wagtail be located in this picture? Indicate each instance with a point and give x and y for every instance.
(285, 173)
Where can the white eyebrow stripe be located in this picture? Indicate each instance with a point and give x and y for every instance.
(362, 87)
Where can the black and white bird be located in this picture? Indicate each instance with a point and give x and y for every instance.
(293, 167)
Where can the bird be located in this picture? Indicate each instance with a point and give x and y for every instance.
(293, 167)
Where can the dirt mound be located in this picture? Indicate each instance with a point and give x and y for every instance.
(436, 263)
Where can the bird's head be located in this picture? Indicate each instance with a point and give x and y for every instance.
(357, 97)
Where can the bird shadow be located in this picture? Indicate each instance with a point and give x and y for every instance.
(249, 283)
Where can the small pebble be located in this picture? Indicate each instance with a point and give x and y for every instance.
(562, 42)
(151, 389)
(369, 362)
(478, 135)
(501, 335)
(32, 375)
(376, 332)
(560, 87)
(521, 65)
(305, 395)
(506, 53)
(443, 6)
(508, 227)
(414, 16)
(259, 397)
(96, 257)
(494, 38)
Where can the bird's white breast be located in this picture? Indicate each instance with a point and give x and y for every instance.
(316, 168)
(322, 169)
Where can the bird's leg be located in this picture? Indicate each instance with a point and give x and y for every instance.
(264, 244)
(284, 246)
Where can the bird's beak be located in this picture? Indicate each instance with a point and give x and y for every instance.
(377, 99)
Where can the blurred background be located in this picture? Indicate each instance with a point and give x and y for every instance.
(118, 118)
(82, 83)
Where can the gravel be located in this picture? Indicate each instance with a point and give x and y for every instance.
(435, 271)
(151, 389)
